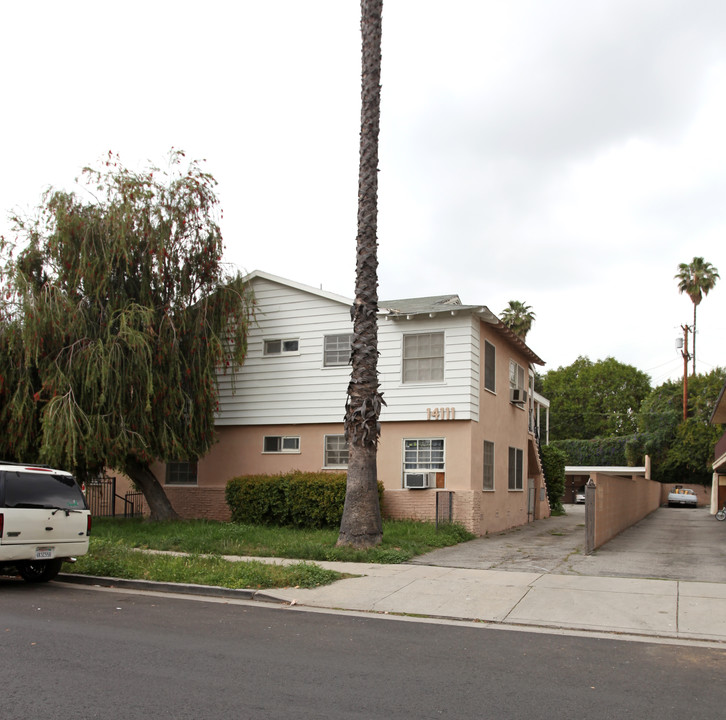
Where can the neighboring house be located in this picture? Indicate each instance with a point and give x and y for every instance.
(718, 486)
(461, 420)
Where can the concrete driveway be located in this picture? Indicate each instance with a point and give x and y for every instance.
(671, 543)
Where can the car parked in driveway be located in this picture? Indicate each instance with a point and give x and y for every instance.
(44, 521)
(682, 497)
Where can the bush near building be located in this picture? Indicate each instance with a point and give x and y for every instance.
(297, 499)
(553, 464)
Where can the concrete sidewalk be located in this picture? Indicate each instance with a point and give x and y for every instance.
(681, 610)
(676, 610)
(664, 577)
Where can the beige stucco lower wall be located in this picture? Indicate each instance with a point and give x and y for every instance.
(621, 502)
(239, 452)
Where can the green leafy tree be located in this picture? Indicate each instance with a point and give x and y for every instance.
(689, 456)
(597, 399)
(117, 317)
(361, 525)
(696, 279)
(518, 317)
(680, 451)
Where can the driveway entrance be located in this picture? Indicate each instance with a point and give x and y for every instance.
(671, 543)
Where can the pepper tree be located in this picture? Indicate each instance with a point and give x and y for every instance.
(117, 315)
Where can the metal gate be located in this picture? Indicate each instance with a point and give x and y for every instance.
(104, 501)
(444, 507)
(531, 499)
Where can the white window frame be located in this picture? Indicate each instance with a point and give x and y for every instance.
(421, 464)
(493, 377)
(516, 376)
(488, 466)
(426, 363)
(181, 472)
(515, 470)
(339, 340)
(328, 451)
(292, 442)
(267, 352)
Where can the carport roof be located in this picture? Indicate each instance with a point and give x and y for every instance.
(604, 470)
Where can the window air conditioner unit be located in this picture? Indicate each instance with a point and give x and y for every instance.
(418, 481)
(518, 396)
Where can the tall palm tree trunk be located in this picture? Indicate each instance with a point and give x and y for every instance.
(361, 525)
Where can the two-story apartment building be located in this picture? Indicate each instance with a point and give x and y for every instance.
(460, 420)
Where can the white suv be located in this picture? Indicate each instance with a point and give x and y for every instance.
(44, 520)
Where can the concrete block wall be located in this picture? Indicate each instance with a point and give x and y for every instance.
(622, 501)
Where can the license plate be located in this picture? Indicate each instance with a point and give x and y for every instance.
(44, 553)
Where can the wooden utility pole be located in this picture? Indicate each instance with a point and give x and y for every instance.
(686, 358)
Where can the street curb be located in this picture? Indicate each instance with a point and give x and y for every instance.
(169, 587)
(267, 596)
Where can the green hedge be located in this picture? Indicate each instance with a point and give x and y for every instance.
(553, 464)
(296, 499)
(600, 451)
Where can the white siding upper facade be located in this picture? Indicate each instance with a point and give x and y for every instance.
(457, 395)
(294, 386)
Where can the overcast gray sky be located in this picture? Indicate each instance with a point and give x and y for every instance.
(564, 153)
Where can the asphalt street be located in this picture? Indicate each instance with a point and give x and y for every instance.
(78, 652)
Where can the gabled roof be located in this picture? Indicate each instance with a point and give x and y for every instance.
(434, 303)
(409, 308)
(298, 286)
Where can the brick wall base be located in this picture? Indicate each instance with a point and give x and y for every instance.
(467, 510)
(421, 505)
(197, 502)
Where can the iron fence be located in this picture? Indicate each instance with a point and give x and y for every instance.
(104, 501)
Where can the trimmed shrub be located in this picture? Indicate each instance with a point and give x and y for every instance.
(553, 464)
(296, 499)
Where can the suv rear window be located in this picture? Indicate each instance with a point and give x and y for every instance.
(42, 490)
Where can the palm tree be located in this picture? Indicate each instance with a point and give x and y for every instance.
(361, 525)
(696, 279)
(518, 317)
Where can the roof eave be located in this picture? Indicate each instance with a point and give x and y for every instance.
(298, 286)
(481, 311)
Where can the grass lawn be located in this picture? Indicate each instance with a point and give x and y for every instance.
(113, 544)
(402, 539)
(108, 558)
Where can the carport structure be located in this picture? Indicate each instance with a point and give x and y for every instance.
(718, 486)
(576, 476)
